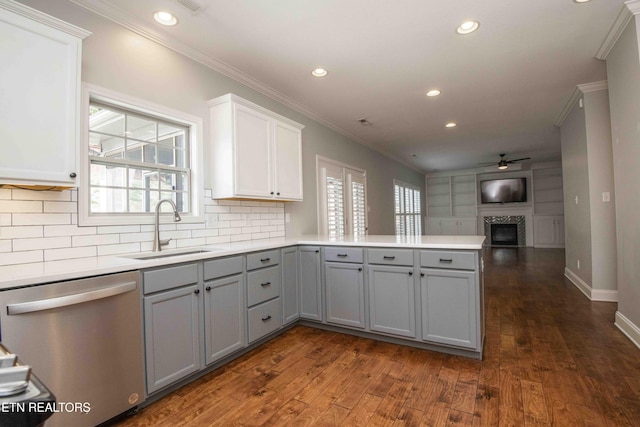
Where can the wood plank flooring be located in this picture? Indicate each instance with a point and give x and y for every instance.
(552, 357)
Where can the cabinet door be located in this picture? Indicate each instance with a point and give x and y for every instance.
(310, 280)
(449, 226)
(252, 135)
(345, 294)
(41, 102)
(433, 226)
(544, 231)
(392, 300)
(290, 298)
(224, 317)
(172, 336)
(287, 161)
(449, 301)
(559, 231)
(467, 226)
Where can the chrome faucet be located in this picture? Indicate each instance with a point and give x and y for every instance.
(157, 243)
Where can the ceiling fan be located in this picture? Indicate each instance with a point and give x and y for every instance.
(504, 163)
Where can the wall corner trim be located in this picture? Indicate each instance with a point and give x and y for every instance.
(628, 328)
(630, 8)
(600, 295)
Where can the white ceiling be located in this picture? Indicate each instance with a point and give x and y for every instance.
(505, 85)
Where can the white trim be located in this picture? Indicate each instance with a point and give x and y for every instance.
(627, 12)
(118, 16)
(43, 18)
(600, 295)
(577, 95)
(628, 328)
(129, 102)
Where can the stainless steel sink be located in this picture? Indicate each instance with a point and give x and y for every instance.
(167, 254)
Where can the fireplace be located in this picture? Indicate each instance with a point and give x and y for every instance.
(505, 230)
(504, 234)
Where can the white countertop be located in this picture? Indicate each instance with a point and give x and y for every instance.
(43, 272)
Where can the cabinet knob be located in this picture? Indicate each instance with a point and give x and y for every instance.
(272, 193)
(208, 288)
(411, 273)
(421, 274)
(197, 291)
(73, 175)
(278, 193)
(360, 269)
(317, 251)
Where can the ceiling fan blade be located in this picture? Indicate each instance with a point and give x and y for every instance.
(518, 160)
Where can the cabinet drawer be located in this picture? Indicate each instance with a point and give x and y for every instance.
(390, 256)
(263, 285)
(458, 260)
(343, 254)
(170, 277)
(262, 259)
(222, 267)
(264, 319)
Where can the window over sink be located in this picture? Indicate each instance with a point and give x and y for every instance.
(135, 154)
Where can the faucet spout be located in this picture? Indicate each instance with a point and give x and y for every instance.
(157, 243)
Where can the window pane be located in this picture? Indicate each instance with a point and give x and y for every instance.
(165, 156)
(181, 159)
(134, 153)
(141, 128)
(107, 175)
(104, 120)
(105, 145)
(166, 130)
(105, 200)
(150, 153)
(137, 201)
(138, 178)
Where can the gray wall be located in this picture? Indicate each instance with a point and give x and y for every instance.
(575, 182)
(603, 215)
(623, 73)
(121, 60)
(587, 165)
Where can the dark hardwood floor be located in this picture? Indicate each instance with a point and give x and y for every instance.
(552, 357)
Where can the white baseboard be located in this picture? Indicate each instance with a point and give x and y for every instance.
(592, 294)
(628, 328)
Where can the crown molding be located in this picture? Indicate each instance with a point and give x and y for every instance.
(576, 95)
(628, 11)
(43, 18)
(121, 18)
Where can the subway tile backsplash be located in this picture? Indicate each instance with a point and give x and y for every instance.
(40, 226)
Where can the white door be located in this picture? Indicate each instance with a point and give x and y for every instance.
(287, 162)
(252, 156)
(544, 233)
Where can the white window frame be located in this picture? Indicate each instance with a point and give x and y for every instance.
(349, 173)
(417, 217)
(127, 102)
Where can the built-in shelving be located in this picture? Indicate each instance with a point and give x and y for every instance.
(439, 197)
(463, 196)
(547, 191)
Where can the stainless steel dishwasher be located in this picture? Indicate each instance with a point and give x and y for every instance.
(84, 339)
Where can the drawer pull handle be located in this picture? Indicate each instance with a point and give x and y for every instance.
(446, 261)
(389, 257)
(264, 319)
(265, 284)
(343, 255)
(265, 259)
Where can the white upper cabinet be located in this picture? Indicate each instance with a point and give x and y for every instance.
(255, 153)
(40, 97)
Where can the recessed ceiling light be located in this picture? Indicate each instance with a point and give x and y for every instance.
(467, 27)
(319, 72)
(581, 1)
(433, 92)
(165, 18)
(450, 125)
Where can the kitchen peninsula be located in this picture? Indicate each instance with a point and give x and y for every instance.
(222, 301)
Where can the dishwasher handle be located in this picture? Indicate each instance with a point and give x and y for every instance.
(48, 304)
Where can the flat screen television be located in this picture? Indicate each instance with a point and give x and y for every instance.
(509, 190)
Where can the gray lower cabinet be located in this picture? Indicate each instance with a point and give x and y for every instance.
(224, 317)
(449, 307)
(309, 278)
(392, 300)
(345, 294)
(172, 335)
(289, 294)
(264, 319)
